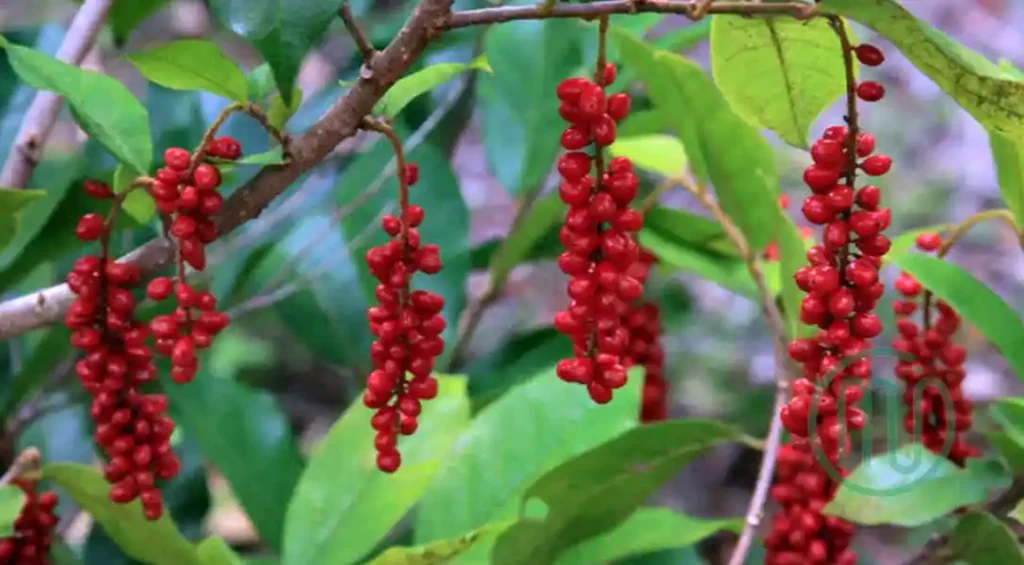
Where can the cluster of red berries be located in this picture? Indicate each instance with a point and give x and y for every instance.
(843, 288)
(937, 410)
(33, 528)
(597, 236)
(131, 426)
(407, 325)
(643, 320)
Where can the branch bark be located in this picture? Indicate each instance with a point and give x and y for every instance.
(42, 113)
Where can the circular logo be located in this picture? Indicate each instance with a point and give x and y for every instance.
(899, 422)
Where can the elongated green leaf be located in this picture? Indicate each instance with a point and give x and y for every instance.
(792, 256)
(12, 200)
(982, 539)
(911, 487)
(659, 153)
(686, 228)
(215, 551)
(973, 300)
(280, 111)
(643, 122)
(514, 441)
(538, 220)
(599, 490)
(648, 530)
(1009, 160)
(521, 126)
(243, 433)
(516, 361)
(978, 85)
(797, 67)
(729, 272)
(156, 543)
(281, 30)
(722, 147)
(126, 16)
(11, 500)
(422, 81)
(102, 106)
(344, 505)
(1009, 413)
(441, 551)
(192, 64)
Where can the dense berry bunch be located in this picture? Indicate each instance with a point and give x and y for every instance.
(33, 528)
(644, 323)
(597, 236)
(408, 327)
(937, 411)
(842, 288)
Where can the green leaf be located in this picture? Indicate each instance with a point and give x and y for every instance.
(215, 551)
(441, 551)
(521, 126)
(126, 16)
(422, 81)
(101, 105)
(792, 256)
(648, 530)
(1009, 160)
(797, 67)
(686, 228)
(912, 486)
(642, 122)
(12, 499)
(12, 200)
(599, 490)
(729, 272)
(986, 91)
(534, 224)
(1011, 450)
(281, 30)
(138, 204)
(156, 543)
(658, 153)
(514, 362)
(192, 64)
(512, 442)
(1009, 413)
(261, 83)
(906, 241)
(244, 433)
(270, 157)
(344, 505)
(280, 111)
(973, 300)
(722, 147)
(981, 539)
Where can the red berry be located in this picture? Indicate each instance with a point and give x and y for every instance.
(865, 144)
(159, 288)
(389, 461)
(828, 153)
(97, 189)
(928, 241)
(90, 227)
(820, 179)
(569, 89)
(869, 55)
(177, 159)
(837, 133)
(575, 138)
(609, 74)
(228, 148)
(876, 165)
(618, 106)
(574, 166)
(411, 174)
(603, 130)
(870, 91)
(206, 177)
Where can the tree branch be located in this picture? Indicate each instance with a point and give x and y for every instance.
(42, 113)
(340, 122)
(366, 50)
(694, 10)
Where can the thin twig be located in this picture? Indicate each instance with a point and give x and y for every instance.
(42, 113)
(694, 10)
(776, 325)
(366, 50)
(26, 462)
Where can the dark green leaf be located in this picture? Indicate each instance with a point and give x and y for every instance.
(729, 272)
(1009, 160)
(973, 300)
(12, 200)
(521, 126)
(722, 147)
(1011, 449)
(344, 505)
(158, 542)
(912, 486)
(101, 105)
(515, 361)
(986, 91)
(261, 83)
(12, 499)
(192, 64)
(512, 442)
(643, 122)
(1009, 413)
(649, 529)
(215, 551)
(138, 204)
(538, 220)
(280, 111)
(282, 31)
(657, 153)
(126, 16)
(441, 551)
(686, 228)
(49, 352)
(981, 539)
(244, 434)
(599, 490)
(797, 66)
(422, 81)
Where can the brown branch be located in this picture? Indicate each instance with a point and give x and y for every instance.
(340, 122)
(691, 9)
(366, 50)
(42, 113)
(27, 461)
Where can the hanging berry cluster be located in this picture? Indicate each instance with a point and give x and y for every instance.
(643, 320)
(406, 323)
(131, 426)
(937, 411)
(596, 234)
(33, 528)
(842, 288)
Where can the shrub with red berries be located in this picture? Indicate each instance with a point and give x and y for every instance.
(407, 324)
(931, 367)
(132, 429)
(33, 528)
(842, 288)
(597, 236)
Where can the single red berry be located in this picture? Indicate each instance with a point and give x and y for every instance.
(609, 74)
(828, 153)
(574, 166)
(869, 55)
(97, 189)
(820, 179)
(569, 89)
(411, 173)
(228, 148)
(870, 91)
(837, 133)
(877, 165)
(177, 159)
(89, 227)
(159, 288)
(618, 106)
(389, 461)
(575, 138)
(603, 130)
(206, 177)
(865, 144)
(928, 241)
